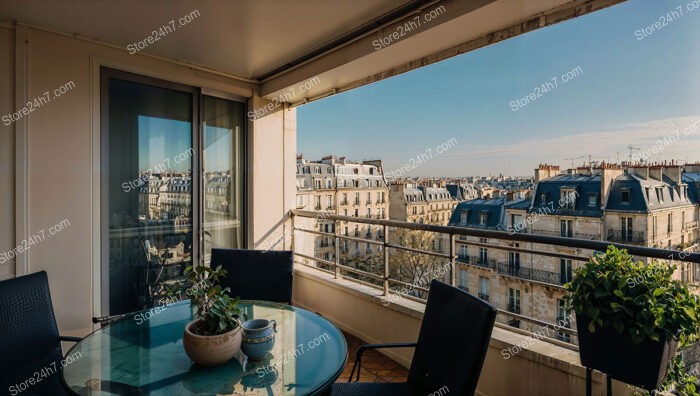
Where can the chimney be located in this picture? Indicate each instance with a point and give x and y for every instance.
(673, 172)
(656, 172)
(608, 173)
(545, 171)
(640, 171)
(510, 196)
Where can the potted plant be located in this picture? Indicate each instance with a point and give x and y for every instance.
(214, 337)
(631, 317)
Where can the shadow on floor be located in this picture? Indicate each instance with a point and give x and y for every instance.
(375, 366)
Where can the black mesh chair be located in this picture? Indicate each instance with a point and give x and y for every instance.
(450, 351)
(29, 335)
(256, 274)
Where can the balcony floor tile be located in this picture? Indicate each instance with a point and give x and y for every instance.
(375, 366)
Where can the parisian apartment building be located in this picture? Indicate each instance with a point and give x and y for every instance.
(338, 186)
(653, 205)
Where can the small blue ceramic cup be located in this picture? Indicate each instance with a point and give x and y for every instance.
(258, 338)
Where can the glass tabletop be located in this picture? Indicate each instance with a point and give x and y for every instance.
(143, 354)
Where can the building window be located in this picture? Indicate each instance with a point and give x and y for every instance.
(626, 231)
(625, 196)
(484, 288)
(653, 226)
(563, 320)
(482, 218)
(318, 201)
(463, 280)
(483, 255)
(568, 199)
(463, 217)
(514, 261)
(565, 271)
(669, 225)
(660, 194)
(514, 300)
(463, 253)
(566, 228)
(592, 200)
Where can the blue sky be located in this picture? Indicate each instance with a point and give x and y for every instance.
(628, 91)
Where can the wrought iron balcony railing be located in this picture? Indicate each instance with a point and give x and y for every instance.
(578, 251)
(575, 235)
(533, 274)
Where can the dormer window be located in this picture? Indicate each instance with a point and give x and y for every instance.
(568, 198)
(660, 194)
(482, 218)
(463, 217)
(592, 199)
(543, 198)
(625, 196)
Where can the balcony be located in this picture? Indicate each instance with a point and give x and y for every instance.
(626, 236)
(333, 282)
(537, 275)
(478, 261)
(690, 225)
(201, 62)
(575, 235)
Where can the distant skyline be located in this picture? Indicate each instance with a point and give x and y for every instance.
(626, 90)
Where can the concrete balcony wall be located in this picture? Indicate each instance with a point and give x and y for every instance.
(531, 367)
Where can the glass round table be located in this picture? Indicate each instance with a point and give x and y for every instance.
(143, 354)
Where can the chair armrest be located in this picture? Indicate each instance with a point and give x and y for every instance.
(363, 348)
(106, 320)
(69, 338)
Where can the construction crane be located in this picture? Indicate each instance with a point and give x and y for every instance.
(573, 159)
(630, 148)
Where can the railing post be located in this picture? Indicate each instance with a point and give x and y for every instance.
(453, 260)
(291, 235)
(386, 260)
(336, 228)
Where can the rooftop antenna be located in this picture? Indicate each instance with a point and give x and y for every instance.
(573, 159)
(590, 159)
(630, 148)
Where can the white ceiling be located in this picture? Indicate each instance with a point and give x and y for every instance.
(245, 38)
(250, 38)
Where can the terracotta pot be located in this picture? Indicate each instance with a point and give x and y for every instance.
(211, 350)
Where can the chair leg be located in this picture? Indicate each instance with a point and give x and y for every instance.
(588, 381)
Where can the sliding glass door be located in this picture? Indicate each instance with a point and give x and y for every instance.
(172, 188)
(223, 123)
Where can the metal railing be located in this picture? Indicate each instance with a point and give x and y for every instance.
(689, 225)
(478, 261)
(574, 235)
(384, 281)
(532, 274)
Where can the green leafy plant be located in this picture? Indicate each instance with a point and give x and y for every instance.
(640, 300)
(218, 312)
